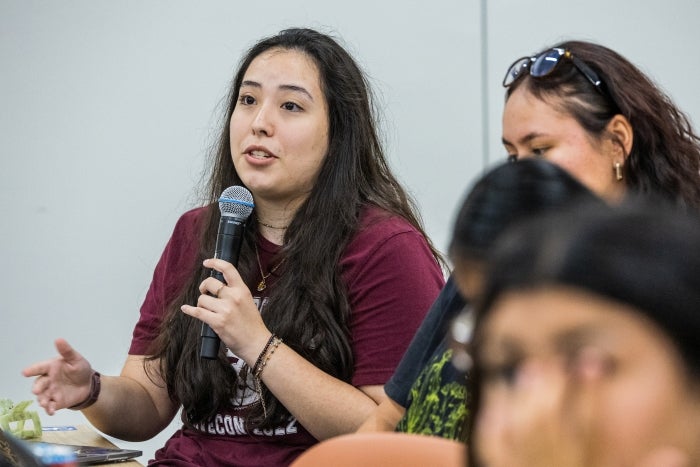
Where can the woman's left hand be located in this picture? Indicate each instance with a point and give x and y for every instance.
(230, 311)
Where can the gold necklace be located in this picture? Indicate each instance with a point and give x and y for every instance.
(262, 285)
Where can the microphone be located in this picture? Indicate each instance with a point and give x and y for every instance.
(235, 204)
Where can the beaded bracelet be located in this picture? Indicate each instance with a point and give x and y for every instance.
(263, 358)
(262, 354)
(95, 386)
(274, 344)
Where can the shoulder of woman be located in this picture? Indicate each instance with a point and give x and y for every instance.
(382, 233)
(377, 221)
(193, 216)
(190, 222)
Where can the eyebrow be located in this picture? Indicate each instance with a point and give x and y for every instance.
(577, 336)
(525, 139)
(508, 347)
(562, 341)
(283, 87)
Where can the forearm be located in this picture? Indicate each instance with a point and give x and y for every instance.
(324, 405)
(131, 406)
(384, 418)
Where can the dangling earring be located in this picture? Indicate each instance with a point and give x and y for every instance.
(618, 171)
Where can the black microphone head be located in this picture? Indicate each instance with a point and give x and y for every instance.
(236, 201)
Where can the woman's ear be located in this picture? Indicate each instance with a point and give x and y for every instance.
(620, 129)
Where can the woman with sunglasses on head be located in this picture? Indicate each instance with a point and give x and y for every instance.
(585, 343)
(334, 276)
(588, 109)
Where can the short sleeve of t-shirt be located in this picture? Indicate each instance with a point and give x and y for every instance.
(174, 269)
(425, 343)
(392, 278)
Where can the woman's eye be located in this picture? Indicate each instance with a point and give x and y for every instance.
(500, 374)
(246, 100)
(539, 152)
(291, 106)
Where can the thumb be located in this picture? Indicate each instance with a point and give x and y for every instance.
(66, 351)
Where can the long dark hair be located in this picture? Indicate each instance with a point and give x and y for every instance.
(665, 153)
(644, 253)
(308, 307)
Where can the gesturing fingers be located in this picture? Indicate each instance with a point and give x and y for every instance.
(41, 384)
(65, 350)
(36, 369)
(43, 389)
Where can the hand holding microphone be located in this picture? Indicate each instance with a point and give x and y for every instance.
(235, 204)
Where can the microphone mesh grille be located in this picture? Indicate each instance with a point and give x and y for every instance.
(236, 201)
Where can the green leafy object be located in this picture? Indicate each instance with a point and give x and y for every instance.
(15, 419)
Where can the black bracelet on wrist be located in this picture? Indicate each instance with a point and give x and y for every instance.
(262, 354)
(95, 386)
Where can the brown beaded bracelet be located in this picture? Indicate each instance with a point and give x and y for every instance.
(255, 367)
(95, 386)
(275, 343)
(263, 358)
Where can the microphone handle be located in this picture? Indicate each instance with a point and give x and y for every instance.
(228, 247)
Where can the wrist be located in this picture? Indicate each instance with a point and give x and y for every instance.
(255, 361)
(272, 343)
(251, 348)
(265, 355)
(95, 386)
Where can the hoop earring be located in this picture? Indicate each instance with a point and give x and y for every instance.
(618, 171)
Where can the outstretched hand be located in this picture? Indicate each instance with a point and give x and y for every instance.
(63, 381)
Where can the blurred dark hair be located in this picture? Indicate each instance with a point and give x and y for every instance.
(665, 154)
(644, 253)
(509, 193)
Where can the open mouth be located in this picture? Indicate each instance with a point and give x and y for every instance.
(257, 154)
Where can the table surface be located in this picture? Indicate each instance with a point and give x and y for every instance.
(83, 435)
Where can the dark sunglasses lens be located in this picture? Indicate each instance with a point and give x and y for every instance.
(545, 63)
(516, 70)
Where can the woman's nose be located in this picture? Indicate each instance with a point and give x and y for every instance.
(262, 123)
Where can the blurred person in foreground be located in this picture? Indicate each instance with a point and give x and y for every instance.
(585, 345)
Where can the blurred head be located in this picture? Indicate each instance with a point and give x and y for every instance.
(507, 194)
(598, 116)
(592, 317)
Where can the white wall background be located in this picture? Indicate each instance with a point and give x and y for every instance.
(107, 110)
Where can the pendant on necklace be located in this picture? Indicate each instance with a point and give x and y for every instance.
(261, 285)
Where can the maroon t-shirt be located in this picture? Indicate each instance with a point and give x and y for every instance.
(391, 278)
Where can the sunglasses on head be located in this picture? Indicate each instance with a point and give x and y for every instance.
(544, 64)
